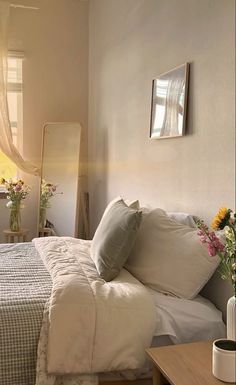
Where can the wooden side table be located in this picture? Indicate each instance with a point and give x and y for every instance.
(45, 232)
(184, 364)
(16, 236)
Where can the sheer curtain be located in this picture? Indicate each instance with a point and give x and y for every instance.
(6, 142)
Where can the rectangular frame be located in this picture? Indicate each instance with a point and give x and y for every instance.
(169, 103)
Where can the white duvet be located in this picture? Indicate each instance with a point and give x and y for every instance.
(94, 326)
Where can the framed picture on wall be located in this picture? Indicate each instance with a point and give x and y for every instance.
(169, 103)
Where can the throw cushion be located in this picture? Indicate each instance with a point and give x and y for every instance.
(169, 257)
(114, 238)
(133, 204)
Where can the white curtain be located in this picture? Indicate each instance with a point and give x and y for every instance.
(6, 142)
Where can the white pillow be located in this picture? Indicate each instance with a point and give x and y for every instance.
(184, 218)
(169, 257)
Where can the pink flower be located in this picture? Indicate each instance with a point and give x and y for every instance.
(211, 249)
(234, 277)
(18, 187)
(202, 235)
(214, 245)
(215, 241)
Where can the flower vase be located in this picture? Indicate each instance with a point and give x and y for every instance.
(231, 318)
(42, 217)
(15, 219)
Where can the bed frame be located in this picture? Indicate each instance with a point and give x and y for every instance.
(146, 381)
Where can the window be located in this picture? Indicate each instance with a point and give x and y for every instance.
(15, 103)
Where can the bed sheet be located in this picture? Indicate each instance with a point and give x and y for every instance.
(186, 320)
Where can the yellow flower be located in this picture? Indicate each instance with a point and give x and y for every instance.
(2, 181)
(219, 221)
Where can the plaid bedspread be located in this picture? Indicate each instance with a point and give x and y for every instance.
(25, 285)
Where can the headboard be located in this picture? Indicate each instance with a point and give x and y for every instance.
(218, 292)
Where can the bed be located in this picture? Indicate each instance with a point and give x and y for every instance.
(81, 307)
(26, 287)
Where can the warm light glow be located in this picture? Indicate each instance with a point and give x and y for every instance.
(7, 168)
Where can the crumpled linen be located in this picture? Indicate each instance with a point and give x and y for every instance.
(94, 326)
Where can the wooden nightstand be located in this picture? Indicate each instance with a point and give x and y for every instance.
(16, 236)
(45, 232)
(184, 364)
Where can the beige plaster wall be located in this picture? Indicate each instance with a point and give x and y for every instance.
(55, 72)
(131, 42)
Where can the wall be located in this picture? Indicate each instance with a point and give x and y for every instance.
(131, 42)
(55, 72)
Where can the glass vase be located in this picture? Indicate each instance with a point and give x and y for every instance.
(42, 217)
(231, 318)
(15, 219)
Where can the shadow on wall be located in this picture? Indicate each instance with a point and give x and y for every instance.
(99, 174)
(218, 291)
(190, 118)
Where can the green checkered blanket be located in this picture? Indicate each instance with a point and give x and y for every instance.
(25, 285)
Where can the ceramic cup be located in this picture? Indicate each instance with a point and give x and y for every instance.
(224, 359)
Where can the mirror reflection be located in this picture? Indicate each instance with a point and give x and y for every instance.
(169, 96)
(58, 212)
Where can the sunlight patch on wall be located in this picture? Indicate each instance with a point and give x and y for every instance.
(7, 167)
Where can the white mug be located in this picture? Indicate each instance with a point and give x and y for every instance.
(224, 360)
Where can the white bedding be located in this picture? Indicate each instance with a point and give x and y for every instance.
(177, 321)
(94, 325)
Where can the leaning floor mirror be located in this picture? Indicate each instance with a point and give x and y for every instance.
(59, 193)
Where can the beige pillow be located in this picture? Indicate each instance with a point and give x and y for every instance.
(169, 257)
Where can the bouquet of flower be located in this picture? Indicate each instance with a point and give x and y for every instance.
(224, 247)
(48, 190)
(16, 191)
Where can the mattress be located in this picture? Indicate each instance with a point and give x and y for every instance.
(25, 286)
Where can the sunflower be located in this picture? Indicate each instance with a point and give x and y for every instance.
(221, 219)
